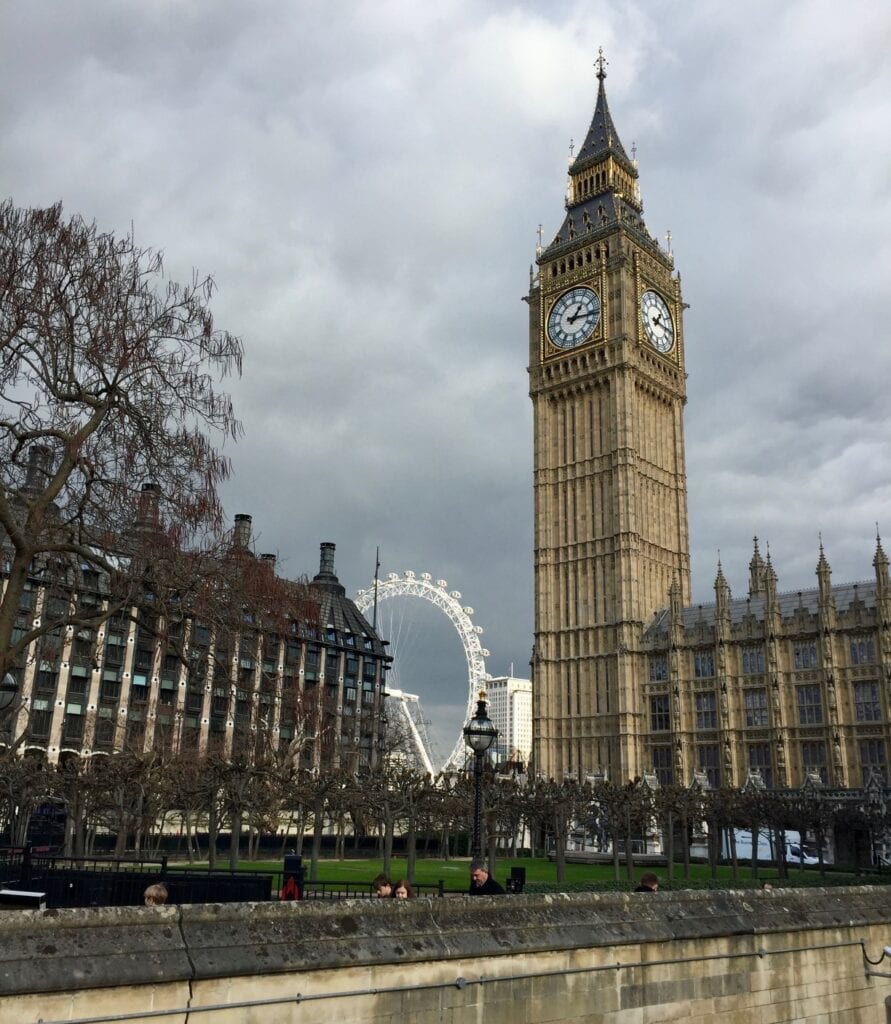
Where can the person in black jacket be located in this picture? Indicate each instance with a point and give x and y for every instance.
(481, 882)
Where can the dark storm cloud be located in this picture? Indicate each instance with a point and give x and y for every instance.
(365, 181)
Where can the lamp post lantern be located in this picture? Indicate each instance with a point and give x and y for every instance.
(479, 735)
(9, 688)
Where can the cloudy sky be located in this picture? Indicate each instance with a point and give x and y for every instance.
(365, 181)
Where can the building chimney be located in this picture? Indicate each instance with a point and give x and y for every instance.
(241, 536)
(325, 577)
(147, 513)
(268, 560)
(39, 456)
(326, 560)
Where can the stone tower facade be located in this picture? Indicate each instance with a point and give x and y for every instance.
(607, 382)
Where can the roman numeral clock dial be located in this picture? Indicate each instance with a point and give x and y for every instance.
(657, 323)
(573, 317)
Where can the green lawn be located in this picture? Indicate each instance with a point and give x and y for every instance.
(455, 873)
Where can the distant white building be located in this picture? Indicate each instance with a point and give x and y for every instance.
(510, 709)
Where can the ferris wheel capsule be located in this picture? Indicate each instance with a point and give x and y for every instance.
(456, 594)
(408, 574)
(467, 610)
(442, 584)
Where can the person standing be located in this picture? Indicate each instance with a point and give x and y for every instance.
(481, 882)
(155, 895)
(648, 883)
(383, 888)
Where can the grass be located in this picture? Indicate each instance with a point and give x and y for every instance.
(455, 873)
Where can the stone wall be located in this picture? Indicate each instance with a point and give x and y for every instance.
(780, 955)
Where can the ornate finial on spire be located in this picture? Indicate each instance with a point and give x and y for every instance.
(571, 149)
(668, 241)
(601, 64)
(634, 153)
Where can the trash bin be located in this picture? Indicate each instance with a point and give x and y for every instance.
(293, 877)
(517, 880)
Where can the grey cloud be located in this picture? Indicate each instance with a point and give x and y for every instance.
(367, 195)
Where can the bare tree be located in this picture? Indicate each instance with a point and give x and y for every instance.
(108, 386)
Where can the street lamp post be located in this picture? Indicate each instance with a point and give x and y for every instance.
(479, 735)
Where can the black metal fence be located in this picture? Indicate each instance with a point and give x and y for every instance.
(121, 882)
(364, 890)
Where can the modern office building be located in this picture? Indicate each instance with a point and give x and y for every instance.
(510, 709)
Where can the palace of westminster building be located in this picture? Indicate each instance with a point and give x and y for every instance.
(628, 677)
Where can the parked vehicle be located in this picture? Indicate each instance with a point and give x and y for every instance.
(794, 852)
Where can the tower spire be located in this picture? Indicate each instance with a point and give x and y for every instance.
(602, 139)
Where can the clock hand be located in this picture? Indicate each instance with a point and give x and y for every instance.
(572, 319)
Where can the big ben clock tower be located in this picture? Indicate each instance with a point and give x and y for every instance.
(607, 382)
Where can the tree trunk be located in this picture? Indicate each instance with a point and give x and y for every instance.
(190, 852)
(731, 840)
(213, 830)
(411, 853)
(669, 848)
(616, 868)
(756, 831)
(389, 825)
(289, 824)
(234, 839)
(629, 849)
(318, 824)
(713, 844)
(120, 843)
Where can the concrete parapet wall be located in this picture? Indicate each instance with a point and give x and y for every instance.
(781, 955)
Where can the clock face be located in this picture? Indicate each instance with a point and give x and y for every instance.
(573, 317)
(656, 319)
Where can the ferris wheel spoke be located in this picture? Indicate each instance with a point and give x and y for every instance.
(436, 593)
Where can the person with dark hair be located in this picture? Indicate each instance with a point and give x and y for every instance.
(403, 890)
(648, 883)
(383, 887)
(481, 882)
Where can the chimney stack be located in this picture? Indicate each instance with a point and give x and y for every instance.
(241, 536)
(148, 508)
(39, 456)
(326, 560)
